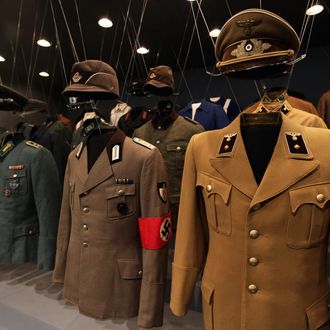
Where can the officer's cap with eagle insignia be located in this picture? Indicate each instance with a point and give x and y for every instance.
(256, 43)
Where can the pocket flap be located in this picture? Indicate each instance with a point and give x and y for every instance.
(120, 190)
(129, 269)
(318, 194)
(318, 313)
(180, 146)
(207, 292)
(212, 185)
(26, 230)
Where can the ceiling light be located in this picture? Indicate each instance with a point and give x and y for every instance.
(2, 59)
(142, 50)
(43, 43)
(191, 0)
(44, 74)
(214, 33)
(105, 23)
(314, 10)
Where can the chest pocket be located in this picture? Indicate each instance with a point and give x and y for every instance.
(120, 201)
(15, 184)
(216, 195)
(309, 217)
(176, 152)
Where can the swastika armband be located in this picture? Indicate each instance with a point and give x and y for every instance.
(155, 233)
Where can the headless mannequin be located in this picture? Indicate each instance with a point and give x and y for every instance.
(260, 133)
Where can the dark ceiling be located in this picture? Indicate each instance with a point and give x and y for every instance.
(167, 28)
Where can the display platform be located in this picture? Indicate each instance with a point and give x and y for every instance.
(30, 301)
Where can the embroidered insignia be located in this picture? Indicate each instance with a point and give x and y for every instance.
(250, 47)
(80, 149)
(247, 25)
(115, 152)
(6, 148)
(165, 229)
(76, 77)
(296, 143)
(152, 76)
(89, 128)
(33, 144)
(162, 191)
(144, 143)
(228, 143)
(73, 100)
(285, 109)
(15, 167)
(124, 181)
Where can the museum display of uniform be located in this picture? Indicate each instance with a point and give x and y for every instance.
(168, 131)
(115, 223)
(29, 202)
(254, 211)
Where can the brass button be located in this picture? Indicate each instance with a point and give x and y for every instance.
(140, 272)
(85, 227)
(256, 207)
(85, 245)
(157, 141)
(252, 288)
(15, 175)
(159, 127)
(320, 198)
(209, 188)
(85, 209)
(120, 192)
(30, 232)
(253, 261)
(178, 148)
(254, 233)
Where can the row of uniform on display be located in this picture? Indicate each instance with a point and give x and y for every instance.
(118, 212)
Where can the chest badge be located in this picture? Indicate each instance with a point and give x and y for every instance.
(162, 191)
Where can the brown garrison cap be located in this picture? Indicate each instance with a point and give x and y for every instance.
(93, 77)
(160, 81)
(256, 40)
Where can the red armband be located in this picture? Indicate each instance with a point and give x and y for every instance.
(155, 233)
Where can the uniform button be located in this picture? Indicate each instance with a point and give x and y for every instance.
(15, 175)
(157, 141)
(30, 232)
(121, 192)
(85, 227)
(85, 209)
(140, 272)
(254, 234)
(122, 208)
(256, 207)
(85, 245)
(159, 127)
(320, 198)
(253, 261)
(252, 288)
(178, 148)
(209, 188)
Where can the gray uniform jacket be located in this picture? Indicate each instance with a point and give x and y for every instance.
(113, 233)
(30, 199)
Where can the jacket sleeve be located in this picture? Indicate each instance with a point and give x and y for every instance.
(323, 108)
(191, 238)
(47, 196)
(155, 233)
(63, 231)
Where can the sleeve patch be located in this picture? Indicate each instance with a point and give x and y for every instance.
(155, 233)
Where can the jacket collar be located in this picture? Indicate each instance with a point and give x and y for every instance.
(292, 160)
(102, 168)
(165, 120)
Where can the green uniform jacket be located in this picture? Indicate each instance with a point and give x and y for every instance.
(29, 204)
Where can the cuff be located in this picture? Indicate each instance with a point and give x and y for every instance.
(46, 253)
(178, 309)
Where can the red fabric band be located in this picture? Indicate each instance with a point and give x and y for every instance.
(155, 233)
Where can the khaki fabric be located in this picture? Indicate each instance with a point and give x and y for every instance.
(323, 107)
(261, 250)
(99, 258)
(298, 116)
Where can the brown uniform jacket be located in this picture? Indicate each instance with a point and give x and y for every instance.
(109, 216)
(262, 249)
(299, 116)
(323, 107)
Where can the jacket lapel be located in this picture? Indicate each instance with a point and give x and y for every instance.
(231, 160)
(288, 165)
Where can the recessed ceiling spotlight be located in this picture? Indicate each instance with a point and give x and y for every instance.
(105, 22)
(214, 33)
(142, 50)
(2, 59)
(44, 43)
(44, 74)
(314, 10)
(191, 0)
